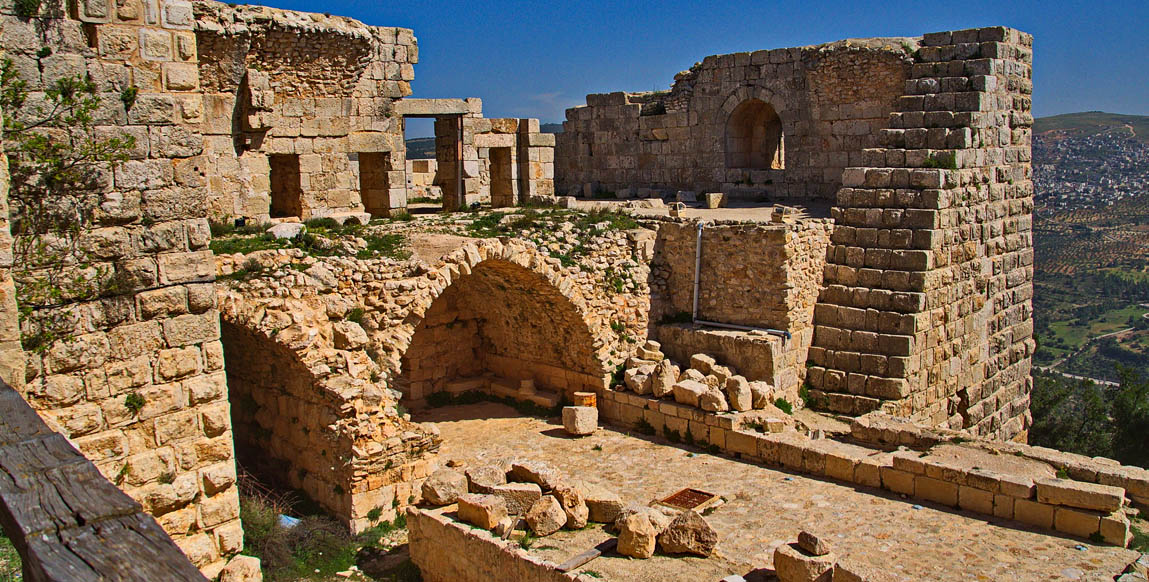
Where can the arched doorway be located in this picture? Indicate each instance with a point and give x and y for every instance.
(754, 137)
(494, 328)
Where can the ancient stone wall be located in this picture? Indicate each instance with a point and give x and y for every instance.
(764, 275)
(358, 338)
(475, 555)
(927, 310)
(781, 123)
(298, 116)
(140, 388)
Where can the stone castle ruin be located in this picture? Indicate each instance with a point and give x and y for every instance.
(893, 289)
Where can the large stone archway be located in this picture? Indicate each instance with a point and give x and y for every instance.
(501, 321)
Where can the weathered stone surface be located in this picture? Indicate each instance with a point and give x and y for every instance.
(444, 487)
(1079, 494)
(573, 502)
(484, 511)
(689, 392)
(664, 378)
(794, 565)
(851, 572)
(485, 478)
(738, 393)
(546, 516)
(689, 533)
(812, 544)
(519, 497)
(702, 362)
(348, 335)
(242, 569)
(713, 400)
(637, 536)
(639, 379)
(760, 394)
(604, 505)
(541, 474)
(580, 420)
(286, 230)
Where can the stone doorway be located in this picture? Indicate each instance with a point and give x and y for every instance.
(503, 186)
(375, 184)
(286, 186)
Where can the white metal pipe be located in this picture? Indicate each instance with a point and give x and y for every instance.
(697, 269)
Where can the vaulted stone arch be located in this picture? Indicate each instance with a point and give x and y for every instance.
(311, 410)
(507, 313)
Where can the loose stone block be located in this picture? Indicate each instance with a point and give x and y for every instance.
(713, 400)
(485, 478)
(519, 497)
(485, 511)
(637, 536)
(689, 533)
(738, 393)
(689, 392)
(546, 516)
(536, 472)
(574, 505)
(794, 565)
(604, 505)
(580, 420)
(444, 487)
(812, 544)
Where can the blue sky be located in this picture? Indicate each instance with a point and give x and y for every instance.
(534, 59)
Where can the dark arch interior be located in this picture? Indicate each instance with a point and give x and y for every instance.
(754, 138)
(500, 324)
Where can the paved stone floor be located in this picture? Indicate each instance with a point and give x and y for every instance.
(764, 508)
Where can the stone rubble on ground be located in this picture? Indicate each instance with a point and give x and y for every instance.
(444, 487)
(484, 511)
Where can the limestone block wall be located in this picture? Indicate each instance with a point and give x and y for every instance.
(11, 352)
(1001, 481)
(822, 105)
(298, 112)
(155, 337)
(927, 309)
(766, 275)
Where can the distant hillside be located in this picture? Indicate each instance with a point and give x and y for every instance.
(423, 148)
(1092, 123)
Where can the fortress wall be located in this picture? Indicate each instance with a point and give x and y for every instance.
(306, 96)
(139, 386)
(927, 309)
(828, 101)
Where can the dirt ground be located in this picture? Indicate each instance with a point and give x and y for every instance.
(766, 507)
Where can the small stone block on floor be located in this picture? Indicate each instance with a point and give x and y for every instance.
(580, 420)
